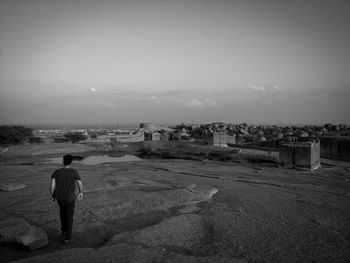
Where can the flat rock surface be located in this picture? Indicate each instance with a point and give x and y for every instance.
(124, 253)
(19, 231)
(181, 232)
(185, 211)
(9, 187)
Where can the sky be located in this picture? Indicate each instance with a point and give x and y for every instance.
(173, 61)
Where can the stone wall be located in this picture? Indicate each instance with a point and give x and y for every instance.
(300, 154)
(287, 154)
(335, 147)
(138, 137)
(152, 136)
(307, 154)
(221, 139)
(149, 126)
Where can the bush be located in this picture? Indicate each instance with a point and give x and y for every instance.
(75, 136)
(14, 134)
(35, 140)
(61, 139)
(93, 136)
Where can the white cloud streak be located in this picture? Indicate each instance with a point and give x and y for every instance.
(196, 103)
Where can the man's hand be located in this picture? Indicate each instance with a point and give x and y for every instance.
(80, 185)
(80, 196)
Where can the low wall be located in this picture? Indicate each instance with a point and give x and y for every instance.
(335, 147)
(138, 137)
(253, 147)
(220, 139)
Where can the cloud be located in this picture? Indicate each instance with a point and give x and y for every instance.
(109, 105)
(194, 103)
(93, 90)
(153, 98)
(267, 88)
(200, 104)
(335, 91)
(278, 88)
(211, 103)
(257, 87)
(144, 99)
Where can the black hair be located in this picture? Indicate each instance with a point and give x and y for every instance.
(67, 159)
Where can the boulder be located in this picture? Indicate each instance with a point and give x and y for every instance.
(289, 133)
(260, 133)
(303, 134)
(8, 187)
(243, 131)
(17, 230)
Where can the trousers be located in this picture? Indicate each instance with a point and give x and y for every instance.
(66, 215)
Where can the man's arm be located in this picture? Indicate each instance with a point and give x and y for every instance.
(52, 188)
(80, 186)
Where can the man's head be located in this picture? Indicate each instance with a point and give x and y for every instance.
(67, 159)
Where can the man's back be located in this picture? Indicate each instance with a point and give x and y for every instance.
(65, 183)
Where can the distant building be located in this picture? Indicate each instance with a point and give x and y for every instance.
(153, 127)
(220, 139)
(185, 136)
(152, 136)
(337, 147)
(149, 126)
(195, 126)
(123, 138)
(164, 136)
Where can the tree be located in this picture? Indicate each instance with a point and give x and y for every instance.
(15, 134)
(75, 136)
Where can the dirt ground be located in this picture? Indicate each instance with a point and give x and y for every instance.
(183, 211)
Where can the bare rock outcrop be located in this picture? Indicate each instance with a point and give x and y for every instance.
(183, 231)
(123, 253)
(17, 230)
(9, 187)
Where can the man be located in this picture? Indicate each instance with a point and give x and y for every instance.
(63, 189)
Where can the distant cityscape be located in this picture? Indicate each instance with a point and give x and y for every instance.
(243, 132)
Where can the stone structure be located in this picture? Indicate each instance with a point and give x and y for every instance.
(124, 138)
(148, 126)
(152, 136)
(305, 154)
(113, 141)
(220, 139)
(287, 154)
(335, 147)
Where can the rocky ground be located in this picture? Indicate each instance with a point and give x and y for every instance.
(157, 210)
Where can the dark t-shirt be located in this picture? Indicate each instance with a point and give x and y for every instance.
(65, 183)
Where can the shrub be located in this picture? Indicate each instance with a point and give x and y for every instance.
(35, 140)
(75, 136)
(93, 136)
(61, 139)
(14, 134)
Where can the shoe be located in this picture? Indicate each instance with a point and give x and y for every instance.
(67, 242)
